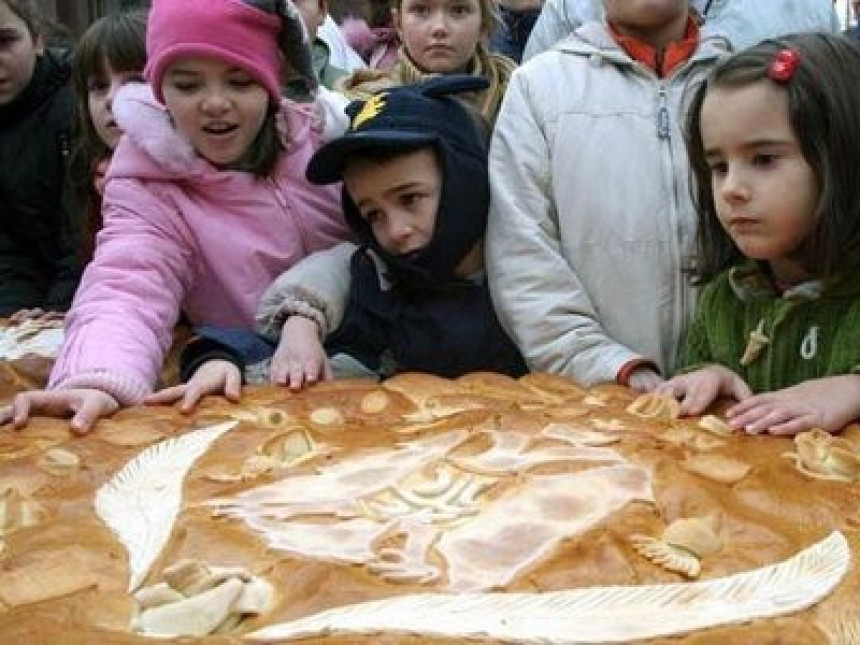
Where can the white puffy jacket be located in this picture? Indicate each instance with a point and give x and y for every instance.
(591, 219)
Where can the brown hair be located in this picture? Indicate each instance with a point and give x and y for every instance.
(823, 99)
(39, 25)
(28, 12)
(118, 41)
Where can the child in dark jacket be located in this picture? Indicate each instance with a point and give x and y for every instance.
(413, 295)
(39, 263)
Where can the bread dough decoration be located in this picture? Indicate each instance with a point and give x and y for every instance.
(718, 468)
(13, 448)
(197, 600)
(17, 512)
(374, 402)
(264, 417)
(655, 406)
(716, 425)
(820, 455)
(842, 628)
(580, 436)
(430, 511)
(31, 337)
(281, 450)
(594, 614)
(59, 462)
(141, 502)
(683, 545)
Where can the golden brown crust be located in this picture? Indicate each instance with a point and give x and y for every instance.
(504, 437)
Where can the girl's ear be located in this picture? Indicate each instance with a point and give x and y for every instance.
(39, 43)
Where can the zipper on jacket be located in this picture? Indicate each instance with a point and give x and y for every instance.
(282, 202)
(662, 115)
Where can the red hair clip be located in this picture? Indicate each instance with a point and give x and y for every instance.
(784, 65)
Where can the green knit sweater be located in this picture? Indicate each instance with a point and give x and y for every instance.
(812, 330)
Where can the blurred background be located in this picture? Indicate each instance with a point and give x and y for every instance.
(77, 14)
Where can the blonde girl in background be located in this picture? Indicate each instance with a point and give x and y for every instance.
(774, 141)
(206, 200)
(441, 37)
(111, 53)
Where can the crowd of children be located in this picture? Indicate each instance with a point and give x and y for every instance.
(658, 211)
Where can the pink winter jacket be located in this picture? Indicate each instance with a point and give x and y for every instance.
(180, 234)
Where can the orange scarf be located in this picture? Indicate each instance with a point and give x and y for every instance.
(663, 62)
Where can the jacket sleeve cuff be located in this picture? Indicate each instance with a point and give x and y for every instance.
(190, 361)
(626, 370)
(303, 306)
(125, 389)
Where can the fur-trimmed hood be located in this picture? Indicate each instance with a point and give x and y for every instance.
(162, 151)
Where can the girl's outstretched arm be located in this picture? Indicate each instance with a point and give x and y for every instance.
(697, 390)
(828, 403)
(83, 405)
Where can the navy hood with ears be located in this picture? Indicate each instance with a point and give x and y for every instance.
(406, 118)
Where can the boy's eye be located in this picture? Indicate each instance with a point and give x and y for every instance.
(764, 159)
(7, 40)
(372, 216)
(409, 199)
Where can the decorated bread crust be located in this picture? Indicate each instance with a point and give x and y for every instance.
(484, 509)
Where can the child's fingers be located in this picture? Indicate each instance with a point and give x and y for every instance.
(740, 390)
(297, 375)
(91, 410)
(166, 396)
(20, 411)
(791, 427)
(278, 371)
(193, 393)
(759, 419)
(6, 414)
(233, 386)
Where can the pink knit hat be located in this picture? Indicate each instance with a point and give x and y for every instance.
(228, 30)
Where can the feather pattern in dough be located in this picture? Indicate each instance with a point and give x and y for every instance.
(592, 615)
(141, 502)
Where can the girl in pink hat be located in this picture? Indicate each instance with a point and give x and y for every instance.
(206, 200)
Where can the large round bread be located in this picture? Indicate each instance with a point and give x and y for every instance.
(457, 494)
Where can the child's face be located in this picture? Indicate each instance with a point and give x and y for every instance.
(101, 90)
(313, 14)
(765, 192)
(218, 107)
(648, 19)
(440, 35)
(398, 197)
(18, 51)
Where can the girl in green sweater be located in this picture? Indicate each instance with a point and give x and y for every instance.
(774, 141)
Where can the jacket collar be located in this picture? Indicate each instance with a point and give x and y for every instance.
(750, 281)
(593, 40)
(662, 62)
